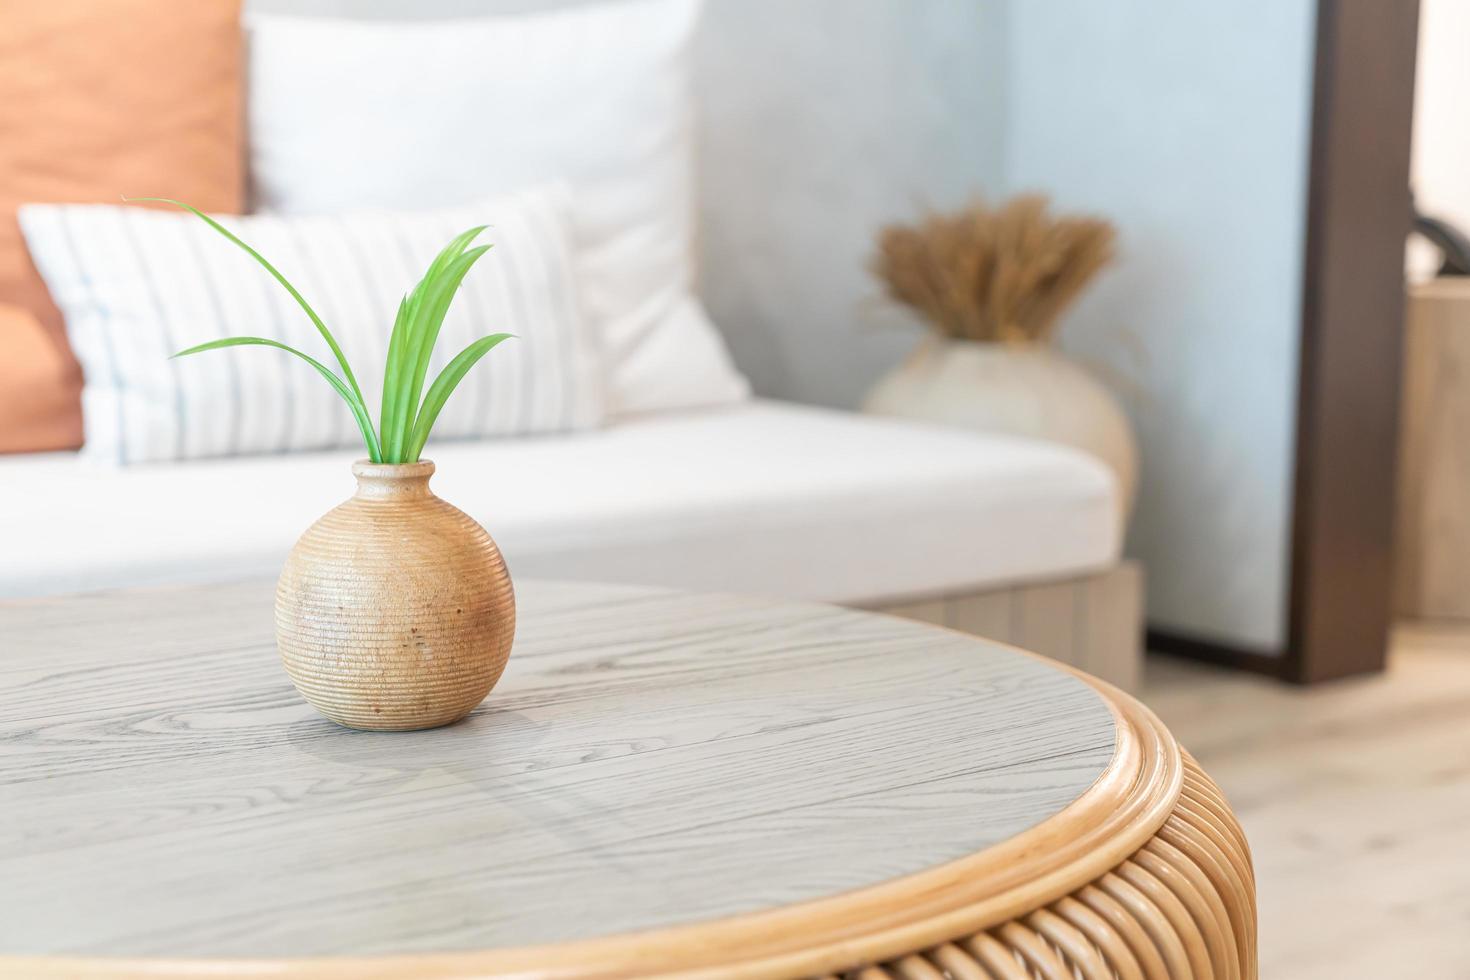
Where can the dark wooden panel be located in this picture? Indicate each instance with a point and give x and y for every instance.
(1209, 651)
(1359, 214)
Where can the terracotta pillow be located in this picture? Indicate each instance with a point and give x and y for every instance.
(102, 98)
(39, 387)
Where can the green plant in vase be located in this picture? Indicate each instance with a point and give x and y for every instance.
(395, 610)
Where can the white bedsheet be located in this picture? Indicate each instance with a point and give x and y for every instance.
(762, 497)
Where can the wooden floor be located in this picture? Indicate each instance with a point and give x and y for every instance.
(1356, 800)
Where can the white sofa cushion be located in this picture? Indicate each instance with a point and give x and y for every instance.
(762, 497)
(139, 285)
(350, 112)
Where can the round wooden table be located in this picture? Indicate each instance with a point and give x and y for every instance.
(661, 784)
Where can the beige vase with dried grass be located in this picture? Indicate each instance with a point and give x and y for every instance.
(992, 284)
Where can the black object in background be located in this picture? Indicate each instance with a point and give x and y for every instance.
(1451, 242)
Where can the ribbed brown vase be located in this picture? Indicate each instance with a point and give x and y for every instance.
(395, 611)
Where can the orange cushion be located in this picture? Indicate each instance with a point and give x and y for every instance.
(40, 388)
(98, 99)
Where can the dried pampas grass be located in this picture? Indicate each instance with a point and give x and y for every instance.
(999, 275)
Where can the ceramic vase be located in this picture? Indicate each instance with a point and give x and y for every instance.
(395, 610)
(1014, 389)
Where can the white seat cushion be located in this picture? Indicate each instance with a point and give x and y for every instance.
(761, 497)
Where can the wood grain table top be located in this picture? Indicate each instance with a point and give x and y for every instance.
(650, 759)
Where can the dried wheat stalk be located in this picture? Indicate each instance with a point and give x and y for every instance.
(1000, 275)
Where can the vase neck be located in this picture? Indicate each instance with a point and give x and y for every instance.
(393, 481)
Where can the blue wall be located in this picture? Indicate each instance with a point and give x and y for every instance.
(1188, 124)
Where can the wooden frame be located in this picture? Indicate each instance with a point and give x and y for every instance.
(1091, 622)
(1432, 547)
(1146, 875)
(1358, 216)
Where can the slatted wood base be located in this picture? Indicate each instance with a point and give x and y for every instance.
(1093, 622)
(1182, 906)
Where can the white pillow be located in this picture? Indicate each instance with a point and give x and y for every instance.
(348, 113)
(137, 285)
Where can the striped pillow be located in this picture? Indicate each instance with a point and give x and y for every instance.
(137, 285)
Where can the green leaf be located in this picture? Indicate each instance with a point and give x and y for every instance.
(434, 306)
(415, 332)
(453, 250)
(353, 399)
(443, 387)
(300, 300)
(393, 373)
(396, 408)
